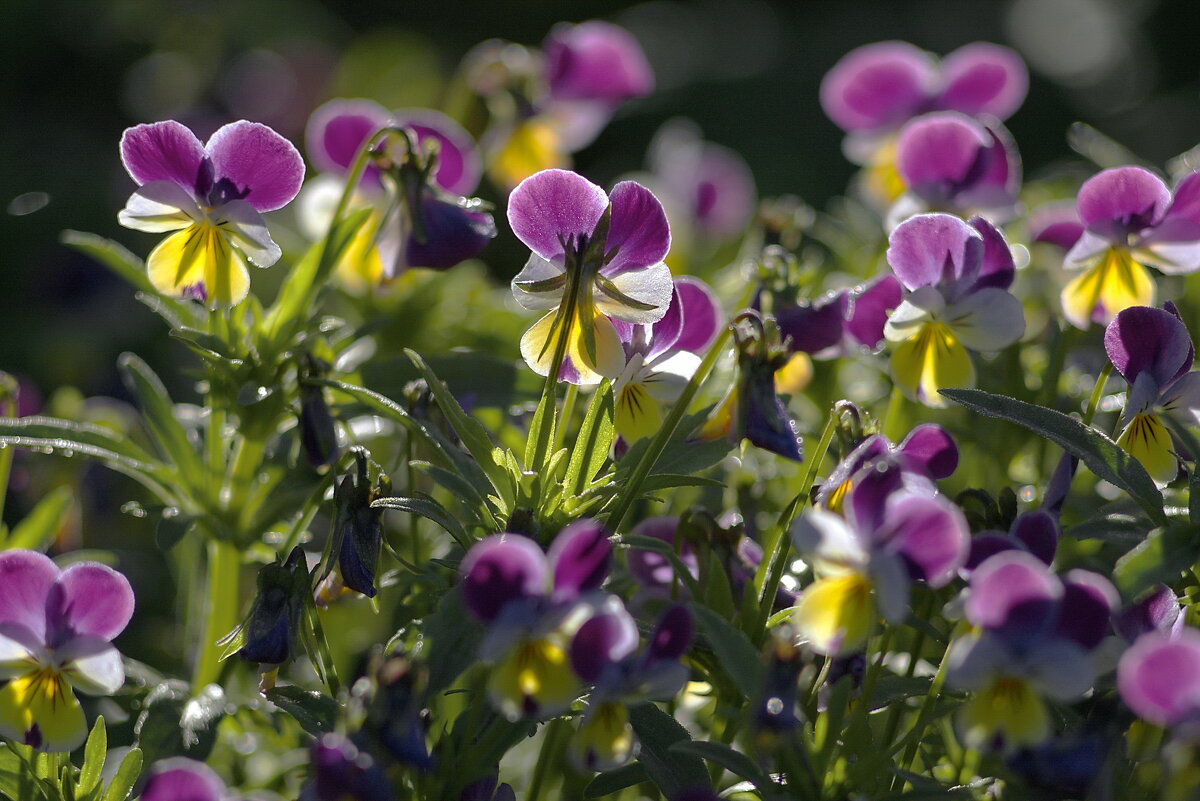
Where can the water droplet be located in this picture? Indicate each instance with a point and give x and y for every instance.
(133, 509)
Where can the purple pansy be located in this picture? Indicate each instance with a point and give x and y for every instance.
(1159, 678)
(1130, 219)
(341, 771)
(1152, 350)
(957, 275)
(213, 196)
(56, 631)
(1056, 224)
(840, 322)
(1035, 532)
(610, 248)
(182, 779)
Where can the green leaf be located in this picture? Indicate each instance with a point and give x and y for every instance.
(158, 412)
(1166, 553)
(489, 382)
(672, 771)
(1118, 528)
(174, 724)
(543, 419)
(590, 449)
(430, 509)
(43, 522)
(94, 753)
(723, 756)
(315, 712)
(453, 640)
(737, 655)
(1102, 456)
(127, 776)
(614, 781)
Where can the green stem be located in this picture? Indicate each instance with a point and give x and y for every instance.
(552, 744)
(923, 718)
(564, 417)
(892, 420)
(243, 475)
(221, 586)
(1097, 394)
(547, 405)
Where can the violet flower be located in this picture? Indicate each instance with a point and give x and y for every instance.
(212, 195)
(1153, 352)
(341, 771)
(56, 632)
(182, 779)
(1130, 220)
(1159, 679)
(958, 276)
(1035, 532)
(608, 250)
(842, 322)
(927, 454)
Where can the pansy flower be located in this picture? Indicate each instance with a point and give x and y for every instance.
(183, 779)
(212, 195)
(607, 250)
(1035, 532)
(662, 357)
(957, 275)
(927, 454)
(841, 322)
(56, 631)
(533, 603)
(1159, 679)
(866, 560)
(342, 771)
(1031, 642)
(1153, 352)
(1130, 220)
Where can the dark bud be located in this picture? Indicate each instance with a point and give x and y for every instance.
(448, 231)
(358, 528)
(271, 628)
(341, 771)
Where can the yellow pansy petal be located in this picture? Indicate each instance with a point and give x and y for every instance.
(41, 710)
(931, 360)
(533, 146)
(1114, 283)
(605, 739)
(794, 376)
(226, 277)
(881, 177)
(837, 498)
(835, 614)
(199, 255)
(534, 680)
(719, 423)
(361, 267)
(609, 359)
(1007, 710)
(536, 345)
(638, 415)
(1147, 440)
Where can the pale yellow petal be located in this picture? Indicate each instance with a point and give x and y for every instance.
(835, 615)
(931, 360)
(40, 710)
(1114, 283)
(1147, 440)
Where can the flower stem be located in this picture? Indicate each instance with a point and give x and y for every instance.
(1097, 394)
(893, 417)
(552, 742)
(221, 586)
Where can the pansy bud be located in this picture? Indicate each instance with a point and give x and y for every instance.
(446, 230)
(358, 527)
(268, 635)
(318, 437)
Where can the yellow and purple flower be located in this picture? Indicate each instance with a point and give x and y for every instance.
(1153, 352)
(926, 455)
(841, 322)
(1130, 220)
(212, 195)
(957, 275)
(56, 631)
(606, 250)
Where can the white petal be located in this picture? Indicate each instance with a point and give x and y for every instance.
(918, 308)
(159, 206)
(538, 269)
(96, 670)
(246, 229)
(974, 659)
(1182, 399)
(651, 285)
(987, 320)
(1085, 251)
(1060, 670)
(666, 379)
(890, 576)
(315, 204)
(16, 658)
(824, 538)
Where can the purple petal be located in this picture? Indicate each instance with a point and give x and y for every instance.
(871, 488)
(870, 306)
(338, 129)
(665, 333)
(1118, 202)
(26, 578)
(162, 151)
(551, 204)
(986, 545)
(930, 449)
(595, 61)
(929, 249)
(870, 448)
(930, 534)
(702, 317)
(983, 78)
(1038, 532)
(878, 86)
(259, 162)
(500, 569)
(938, 154)
(453, 233)
(459, 166)
(816, 326)
(652, 568)
(1055, 223)
(1158, 611)
(1088, 603)
(95, 600)
(723, 192)
(1014, 593)
(1181, 223)
(997, 268)
(1159, 677)
(580, 557)
(180, 779)
(603, 640)
(639, 229)
(1142, 339)
(672, 635)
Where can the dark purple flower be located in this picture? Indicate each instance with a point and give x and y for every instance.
(341, 771)
(272, 628)
(502, 569)
(181, 779)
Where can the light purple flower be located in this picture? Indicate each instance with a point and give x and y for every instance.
(595, 61)
(926, 455)
(841, 322)
(56, 631)
(612, 245)
(1159, 678)
(212, 195)
(182, 779)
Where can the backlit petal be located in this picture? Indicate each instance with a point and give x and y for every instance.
(987, 320)
(1116, 282)
(458, 164)
(1121, 201)
(1143, 339)
(259, 162)
(162, 151)
(638, 414)
(930, 361)
(554, 204)
(983, 78)
(609, 358)
(929, 249)
(40, 710)
(878, 86)
(1147, 440)
(534, 680)
(26, 578)
(1007, 713)
(181, 779)
(538, 269)
(245, 228)
(651, 286)
(835, 615)
(93, 666)
(639, 231)
(199, 256)
(96, 599)
(533, 146)
(159, 206)
(337, 129)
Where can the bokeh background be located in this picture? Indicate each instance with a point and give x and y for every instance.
(77, 72)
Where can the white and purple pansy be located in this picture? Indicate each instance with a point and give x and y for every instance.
(1159, 679)
(213, 196)
(56, 631)
(926, 455)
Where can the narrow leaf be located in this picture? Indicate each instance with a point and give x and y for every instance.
(430, 509)
(158, 412)
(1165, 554)
(94, 753)
(43, 523)
(736, 654)
(127, 776)
(614, 781)
(316, 713)
(723, 756)
(672, 771)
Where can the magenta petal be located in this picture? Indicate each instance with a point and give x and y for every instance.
(26, 578)
(180, 779)
(500, 569)
(1038, 532)
(672, 635)
(929, 249)
(868, 505)
(338, 129)
(938, 154)
(1181, 223)
(1159, 677)
(871, 305)
(702, 317)
(930, 449)
(652, 568)
(1055, 223)
(1121, 201)
(259, 162)
(983, 78)
(639, 231)
(1015, 593)
(878, 86)
(930, 534)
(665, 333)
(997, 268)
(551, 204)
(96, 600)
(1142, 339)
(595, 61)
(1088, 603)
(870, 448)
(603, 640)
(459, 166)
(580, 557)
(162, 151)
